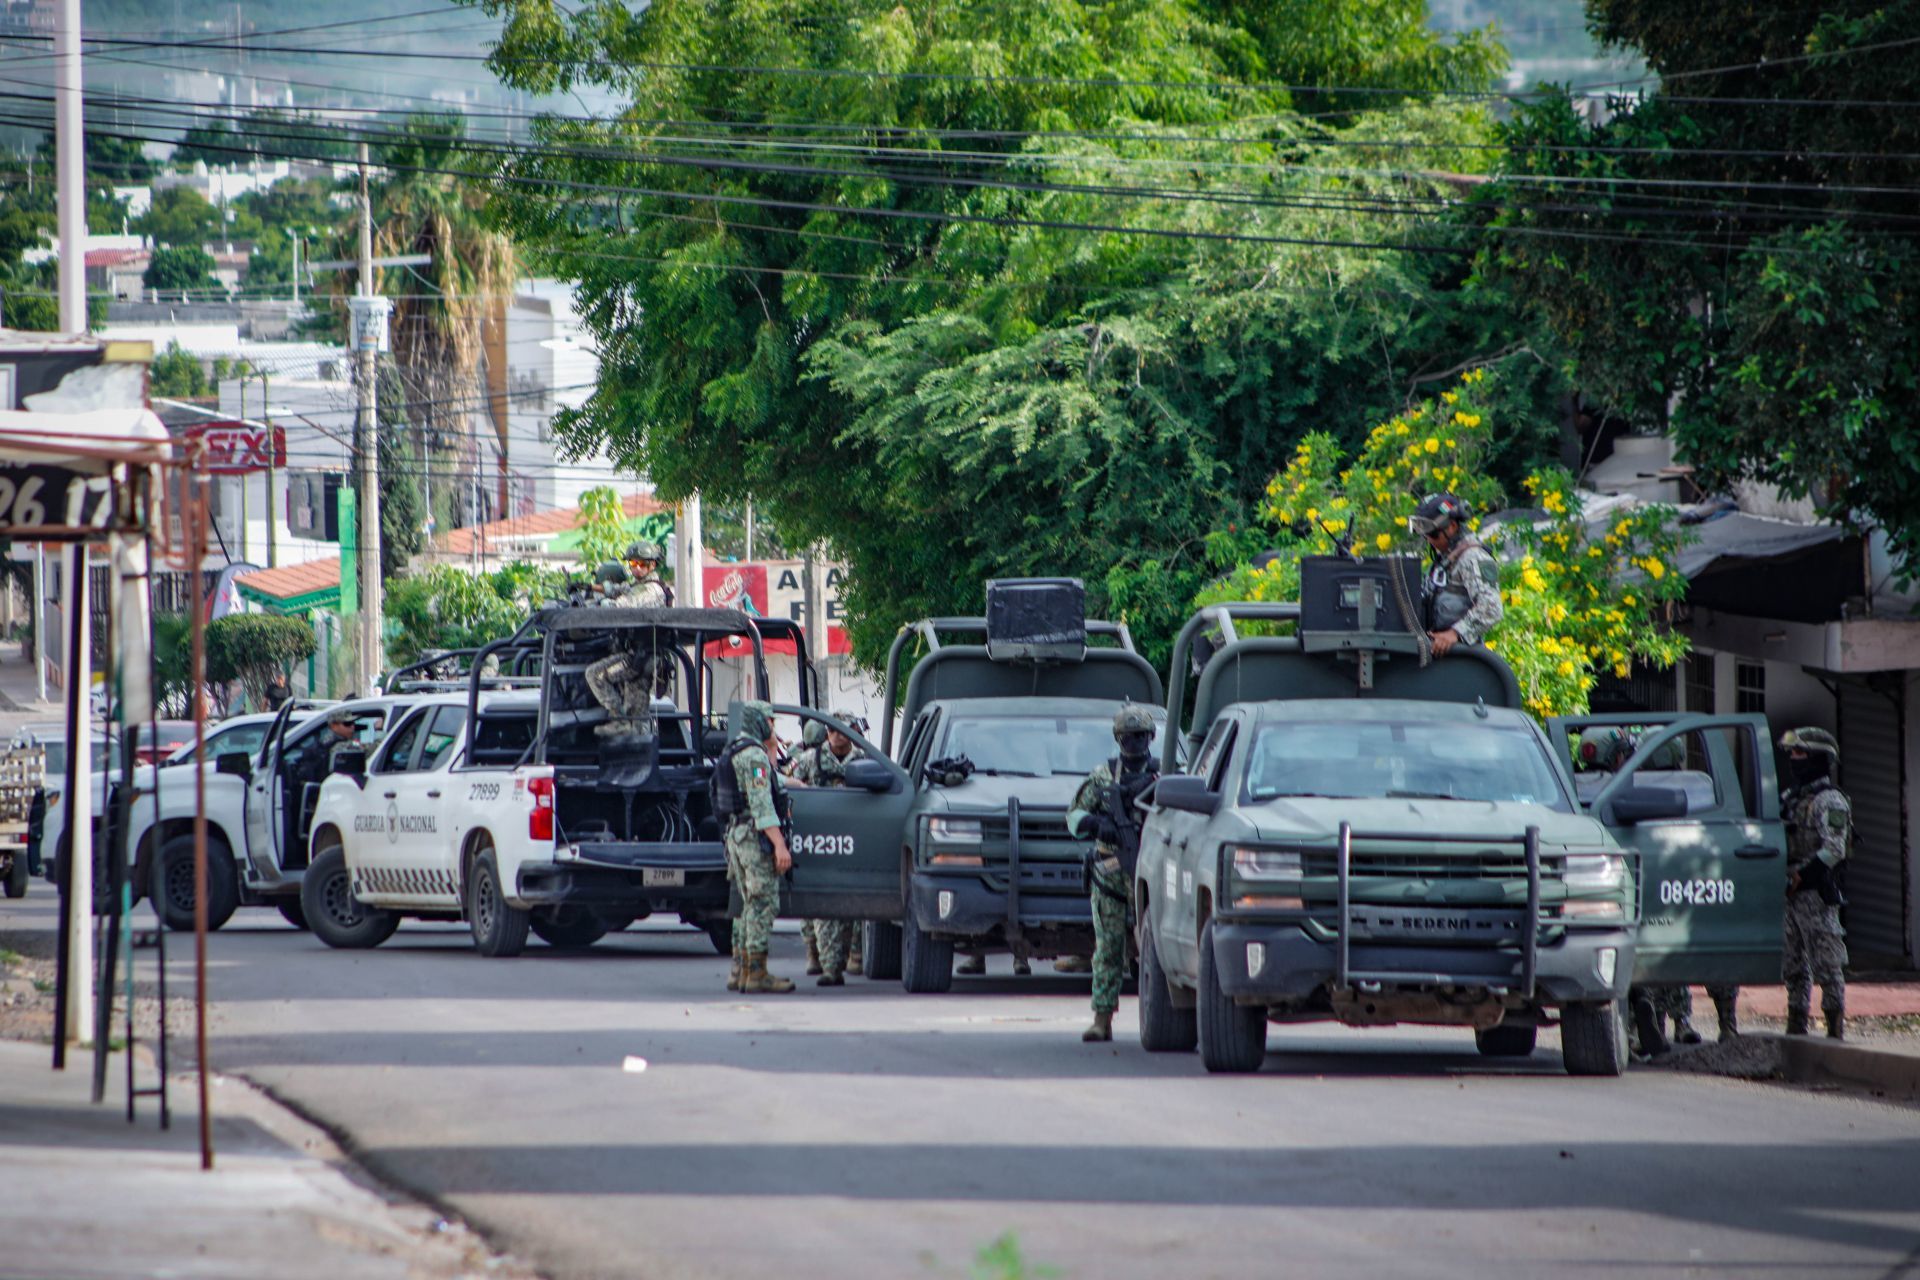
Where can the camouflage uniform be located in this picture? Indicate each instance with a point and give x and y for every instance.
(1820, 829)
(818, 767)
(1110, 892)
(1464, 587)
(749, 866)
(623, 681)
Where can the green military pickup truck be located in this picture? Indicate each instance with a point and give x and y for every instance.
(1367, 839)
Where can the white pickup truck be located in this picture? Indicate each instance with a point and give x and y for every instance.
(508, 810)
(259, 802)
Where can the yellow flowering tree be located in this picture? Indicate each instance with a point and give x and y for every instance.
(1580, 598)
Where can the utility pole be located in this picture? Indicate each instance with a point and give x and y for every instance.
(366, 445)
(70, 174)
(294, 236)
(273, 498)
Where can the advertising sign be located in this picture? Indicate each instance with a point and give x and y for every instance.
(777, 589)
(238, 448)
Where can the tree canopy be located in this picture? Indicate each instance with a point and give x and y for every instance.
(1058, 301)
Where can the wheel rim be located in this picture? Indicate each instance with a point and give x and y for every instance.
(336, 898)
(484, 906)
(179, 885)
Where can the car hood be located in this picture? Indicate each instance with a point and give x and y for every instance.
(1318, 819)
(989, 793)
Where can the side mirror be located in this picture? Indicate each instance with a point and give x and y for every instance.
(1648, 804)
(352, 762)
(238, 764)
(1187, 794)
(869, 775)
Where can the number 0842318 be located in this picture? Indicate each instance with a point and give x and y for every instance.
(1698, 893)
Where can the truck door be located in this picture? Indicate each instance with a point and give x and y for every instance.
(1713, 875)
(1167, 864)
(847, 840)
(262, 807)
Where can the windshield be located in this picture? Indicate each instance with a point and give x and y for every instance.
(1378, 759)
(1034, 746)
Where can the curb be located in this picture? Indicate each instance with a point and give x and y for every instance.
(1807, 1060)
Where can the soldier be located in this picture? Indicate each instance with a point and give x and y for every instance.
(644, 559)
(751, 802)
(1103, 812)
(813, 734)
(623, 681)
(825, 765)
(1461, 596)
(346, 735)
(1819, 838)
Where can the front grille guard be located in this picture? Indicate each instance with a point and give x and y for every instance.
(1433, 846)
(1017, 816)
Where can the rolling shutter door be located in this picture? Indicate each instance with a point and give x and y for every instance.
(1872, 767)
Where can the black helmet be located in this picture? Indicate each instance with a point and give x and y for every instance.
(1436, 511)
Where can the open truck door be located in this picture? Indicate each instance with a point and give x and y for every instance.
(1698, 801)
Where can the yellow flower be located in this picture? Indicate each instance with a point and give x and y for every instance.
(1313, 513)
(1566, 666)
(1554, 502)
(1620, 669)
(1532, 578)
(1450, 397)
(1433, 445)
(1383, 541)
(1655, 568)
(1629, 600)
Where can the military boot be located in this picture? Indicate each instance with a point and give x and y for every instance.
(855, 965)
(1683, 1031)
(1021, 967)
(972, 966)
(813, 957)
(1102, 1028)
(1073, 964)
(755, 979)
(830, 980)
(1836, 1026)
(1726, 1010)
(733, 975)
(1796, 1020)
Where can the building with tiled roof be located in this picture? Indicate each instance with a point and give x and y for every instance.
(545, 537)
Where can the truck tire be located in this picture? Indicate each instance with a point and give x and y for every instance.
(1508, 1040)
(498, 929)
(881, 960)
(336, 917)
(1593, 1039)
(291, 911)
(172, 887)
(1232, 1038)
(1163, 1028)
(567, 928)
(720, 934)
(926, 964)
(17, 874)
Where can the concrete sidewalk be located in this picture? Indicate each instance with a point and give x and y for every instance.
(91, 1196)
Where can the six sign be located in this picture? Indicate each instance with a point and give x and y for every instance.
(237, 448)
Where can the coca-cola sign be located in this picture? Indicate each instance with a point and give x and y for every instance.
(238, 448)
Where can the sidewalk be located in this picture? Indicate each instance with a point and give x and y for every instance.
(91, 1197)
(20, 689)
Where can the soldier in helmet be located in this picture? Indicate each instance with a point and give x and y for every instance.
(1103, 812)
(644, 559)
(1819, 837)
(824, 764)
(813, 734)
(1462, 592)
(751, 803)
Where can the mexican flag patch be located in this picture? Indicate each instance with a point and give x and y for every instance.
(759, 773)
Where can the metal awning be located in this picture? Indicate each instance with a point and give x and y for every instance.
(1737, 536)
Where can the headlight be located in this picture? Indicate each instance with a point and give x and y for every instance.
(1592, 909)
(1265, 864)
(955, 830)
(1595, 871)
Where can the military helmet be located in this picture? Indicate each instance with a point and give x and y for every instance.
(646, 549)
(857, 723)
(1436, 511)
(611, 572)
(813, 733)
(756, 720)
(1604, 746)
(341, 715)
(1132, 718)
(1810, 739)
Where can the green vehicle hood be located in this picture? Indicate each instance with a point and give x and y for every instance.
(1317, 820)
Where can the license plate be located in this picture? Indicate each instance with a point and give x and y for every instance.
(653, 877)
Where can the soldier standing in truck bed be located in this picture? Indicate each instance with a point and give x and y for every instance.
(1462, 591)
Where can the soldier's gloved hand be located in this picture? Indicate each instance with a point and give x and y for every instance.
(1105, 830)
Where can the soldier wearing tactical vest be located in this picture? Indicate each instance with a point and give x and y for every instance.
(623, 682)
(1461, 595)
(1819, 822)
(824, 764)
(1103, 812)
(750, 802)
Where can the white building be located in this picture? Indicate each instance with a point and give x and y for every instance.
(551, 365)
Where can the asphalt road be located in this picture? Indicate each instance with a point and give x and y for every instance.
(863, 1132)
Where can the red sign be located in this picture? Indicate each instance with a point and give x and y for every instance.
(237, 448)
(774, 589)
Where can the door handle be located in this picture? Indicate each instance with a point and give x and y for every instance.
(389, 794)
(1755, 851)
(433, 795)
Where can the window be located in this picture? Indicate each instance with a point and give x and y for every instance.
(1378, 759)
(1684, 764)
(1750, 687)
(1700, 686)
(447, 724)
(501, 738)
(399, 757)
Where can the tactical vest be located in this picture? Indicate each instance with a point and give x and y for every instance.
(1445, 599)
(1125, 789)
(723, 789)
(1803, 839)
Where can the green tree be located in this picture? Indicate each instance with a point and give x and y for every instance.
(603, 528)
(178, 269)
(120, 160)
(180, 216)
(403, 511)
(443, 607)
(1765, 317)
(965, 383)
(177, 373)
(253, 648)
